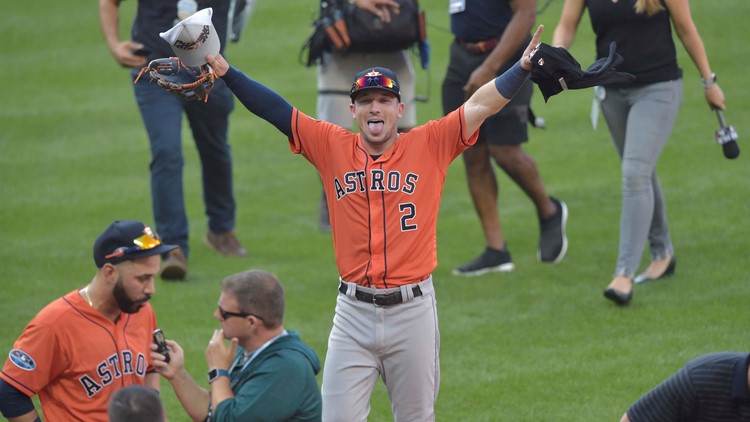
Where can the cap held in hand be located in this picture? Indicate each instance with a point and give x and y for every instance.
(556, 70)
(193, 38)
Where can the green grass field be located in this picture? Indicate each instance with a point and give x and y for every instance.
(537, 344)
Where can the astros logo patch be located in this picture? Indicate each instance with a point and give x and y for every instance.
(22, 360)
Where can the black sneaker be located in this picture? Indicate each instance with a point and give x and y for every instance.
(490, 260)
(553, 242)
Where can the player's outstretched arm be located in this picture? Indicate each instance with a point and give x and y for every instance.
(256, 97)
(495, 94)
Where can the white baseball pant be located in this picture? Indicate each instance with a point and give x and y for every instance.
(399, 343)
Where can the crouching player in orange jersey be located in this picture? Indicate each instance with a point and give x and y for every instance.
(383, 190)
(79, 350)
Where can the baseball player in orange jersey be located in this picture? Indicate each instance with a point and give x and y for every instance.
(82, 348)
(383, 191)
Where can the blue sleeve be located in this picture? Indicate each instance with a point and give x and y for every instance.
(13, 403)
(261, 100)
(511, 80)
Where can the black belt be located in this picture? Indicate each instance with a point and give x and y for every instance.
(385, 299)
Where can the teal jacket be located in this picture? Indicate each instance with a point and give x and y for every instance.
(278, 385)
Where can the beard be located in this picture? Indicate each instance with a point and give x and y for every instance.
(124, 302)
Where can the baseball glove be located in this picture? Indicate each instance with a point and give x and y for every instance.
(190, 83)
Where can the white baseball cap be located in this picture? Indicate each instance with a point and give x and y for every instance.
(193, 38)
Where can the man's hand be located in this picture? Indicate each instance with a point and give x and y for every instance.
(219, 64)
(176, 360)
(526, 62)
(218, 355)
(480, 76)
(123, 53)
(379, 8)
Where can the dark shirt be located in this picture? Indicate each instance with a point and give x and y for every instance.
(482, 20)
(709, 388)
(156, 16)
(644, 42)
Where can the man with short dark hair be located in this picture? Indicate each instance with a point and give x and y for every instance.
(384, 187)
(267, 373)
(711, 387)
(136, 403)
(83, 347)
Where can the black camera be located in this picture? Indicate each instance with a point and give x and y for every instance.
(161, 344)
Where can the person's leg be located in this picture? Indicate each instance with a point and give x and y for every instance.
(210, 125)
(484, 190)
(522, 169)
(662, 251)
(162, 116)
(505, 133)
(351, 369)
(648, 114)
(615, 109)
(663, 260)
(411, 357)
(480, 175)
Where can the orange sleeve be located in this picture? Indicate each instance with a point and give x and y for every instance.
(35, 360)
(447, 137)
(311, 138)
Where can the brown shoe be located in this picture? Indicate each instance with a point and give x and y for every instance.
(226, 243)
(174, 267)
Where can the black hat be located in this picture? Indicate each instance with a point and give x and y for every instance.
(375, 78)
(556, 70)
(126, 240)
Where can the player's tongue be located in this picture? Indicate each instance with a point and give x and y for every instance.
(375, 126)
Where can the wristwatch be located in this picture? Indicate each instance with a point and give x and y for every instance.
(214, 374)
(711, 81)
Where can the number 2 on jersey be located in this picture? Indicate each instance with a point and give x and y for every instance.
(409, 211)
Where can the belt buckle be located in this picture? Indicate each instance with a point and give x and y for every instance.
(382, 301)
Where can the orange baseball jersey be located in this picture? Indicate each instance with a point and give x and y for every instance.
(383, 211)
(75, 358)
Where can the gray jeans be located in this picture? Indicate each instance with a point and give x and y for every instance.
(640, 120)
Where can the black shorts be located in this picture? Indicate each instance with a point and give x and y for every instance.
(507, 127)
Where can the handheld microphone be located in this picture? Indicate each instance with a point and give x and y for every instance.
(726, 136)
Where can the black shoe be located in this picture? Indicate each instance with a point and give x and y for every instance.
(617, 296)
(642, 278)
(491, 260)
(553, 242)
